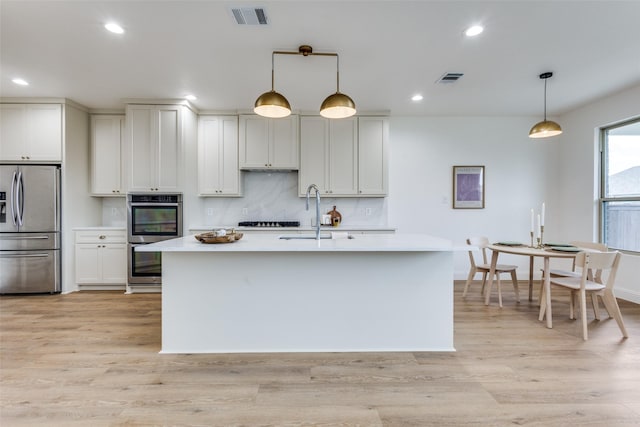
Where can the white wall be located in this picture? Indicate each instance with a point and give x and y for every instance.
(578, 178)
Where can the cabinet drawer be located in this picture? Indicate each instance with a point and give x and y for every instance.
(101, 236)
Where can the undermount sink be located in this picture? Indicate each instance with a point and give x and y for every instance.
(303, 236)
(308, 236)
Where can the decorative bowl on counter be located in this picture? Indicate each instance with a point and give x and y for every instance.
(213, 237)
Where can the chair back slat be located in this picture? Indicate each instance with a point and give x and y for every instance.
(599, 262)
(481, 242)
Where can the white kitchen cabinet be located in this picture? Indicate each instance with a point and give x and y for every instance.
(344, 158)
(31, 132)
(329, 156)
(101, 257)
(373, 137)
(153, 147)
(107, 133)
(218, 171)
(268, 143)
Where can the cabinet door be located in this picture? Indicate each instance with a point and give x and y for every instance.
(44, 132)
(283, 150)
(254, 142)
(141, 152)
(12, 130)
(314, 154)
(343, 157)
(154, 152)
(88, 263)
(228, 166)
(106, 141)
(114, 263)
(168, 152)
(373, 135)
(218, 172)
(31, 132)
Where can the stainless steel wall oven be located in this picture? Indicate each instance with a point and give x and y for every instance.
(150, 218)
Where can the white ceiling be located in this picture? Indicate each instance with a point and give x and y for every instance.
(389, 50)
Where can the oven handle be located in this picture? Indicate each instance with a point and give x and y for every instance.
(154, 204)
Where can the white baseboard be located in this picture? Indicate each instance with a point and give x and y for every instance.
(628, 295)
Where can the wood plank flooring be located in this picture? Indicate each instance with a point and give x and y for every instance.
(91, 359)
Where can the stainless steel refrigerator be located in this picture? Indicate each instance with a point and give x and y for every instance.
(29, 229)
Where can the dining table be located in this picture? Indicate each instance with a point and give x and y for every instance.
(544, 252)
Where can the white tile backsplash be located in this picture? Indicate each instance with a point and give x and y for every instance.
(274, 196)
(114, 212)
(267, 196)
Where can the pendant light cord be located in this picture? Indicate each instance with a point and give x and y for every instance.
(545, 100)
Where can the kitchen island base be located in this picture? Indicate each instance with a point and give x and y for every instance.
(332, 301)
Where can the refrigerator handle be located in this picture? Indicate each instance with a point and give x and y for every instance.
(12, 199)
(20, 199)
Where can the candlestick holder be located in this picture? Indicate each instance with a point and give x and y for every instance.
(531, 235)
(541, 243)
(539, 240)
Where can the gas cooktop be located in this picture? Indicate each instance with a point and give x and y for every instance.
(269, 224)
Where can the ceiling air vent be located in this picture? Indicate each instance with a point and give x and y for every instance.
(249, 15)
(449, 78)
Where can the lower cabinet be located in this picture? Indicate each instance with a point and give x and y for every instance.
(101, 259)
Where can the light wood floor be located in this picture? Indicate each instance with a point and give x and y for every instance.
(91, 359)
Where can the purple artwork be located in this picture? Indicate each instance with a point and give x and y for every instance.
(469, 187)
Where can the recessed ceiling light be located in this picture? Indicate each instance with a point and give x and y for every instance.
(190, 97)
(417, 97)
(114, 28)
(21, 82)
(473, 31)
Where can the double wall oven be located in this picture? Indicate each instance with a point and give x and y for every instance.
(150, 218)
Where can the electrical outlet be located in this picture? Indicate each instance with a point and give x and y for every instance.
(209, 211)
(367, 211)
(245, 211)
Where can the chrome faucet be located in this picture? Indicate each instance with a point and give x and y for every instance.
(313, 186)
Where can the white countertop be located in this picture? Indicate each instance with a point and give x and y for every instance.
(306, 229)
(271, 243)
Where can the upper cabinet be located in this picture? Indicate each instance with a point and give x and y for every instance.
(31, 132)
(329, 155)
(373, 141)
(268, 143)
(218, 172)
(107, 133)
(153, 147)
(345, 157)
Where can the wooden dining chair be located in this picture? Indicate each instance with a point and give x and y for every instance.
(484, 267)
(589, 246)
(579, 287)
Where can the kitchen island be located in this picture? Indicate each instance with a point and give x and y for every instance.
(265, 294)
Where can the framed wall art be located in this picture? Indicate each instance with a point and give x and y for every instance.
(468, 187)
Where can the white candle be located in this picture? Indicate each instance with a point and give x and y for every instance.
(532, 221)
(542, 218)
(538, 228)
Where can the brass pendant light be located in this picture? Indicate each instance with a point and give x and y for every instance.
(545, 128)
(338, 105)
(273, 104)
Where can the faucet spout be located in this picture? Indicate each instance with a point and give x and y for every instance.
(315, 187)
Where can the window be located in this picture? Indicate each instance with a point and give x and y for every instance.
(620, 189)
